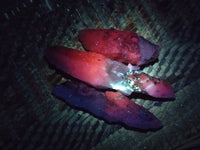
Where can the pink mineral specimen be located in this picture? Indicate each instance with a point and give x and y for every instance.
(123, 46)
(111, 106)
(86, 66)
(101, 72)
(151, 86)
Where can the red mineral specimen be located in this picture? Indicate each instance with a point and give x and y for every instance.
(98, 69)
(123, 46)
(111, 106)
(151, 86)
(101, 72)
(86, 66)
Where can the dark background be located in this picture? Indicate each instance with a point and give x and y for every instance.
(31, 118)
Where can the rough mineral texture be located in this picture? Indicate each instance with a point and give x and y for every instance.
(103, 73)
(124, 46)
(112, 107)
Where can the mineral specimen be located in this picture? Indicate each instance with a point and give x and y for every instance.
(111, 106)
(101, 72)
(123, 46)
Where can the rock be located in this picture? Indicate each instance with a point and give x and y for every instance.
(123, 46)
(110, 106)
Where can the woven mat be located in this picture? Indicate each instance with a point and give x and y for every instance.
(31, 118)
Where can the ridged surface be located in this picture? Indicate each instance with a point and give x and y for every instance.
(31, 118)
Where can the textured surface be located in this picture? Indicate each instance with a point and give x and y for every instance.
(31, 118)
(123, 46)
(112, 107)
